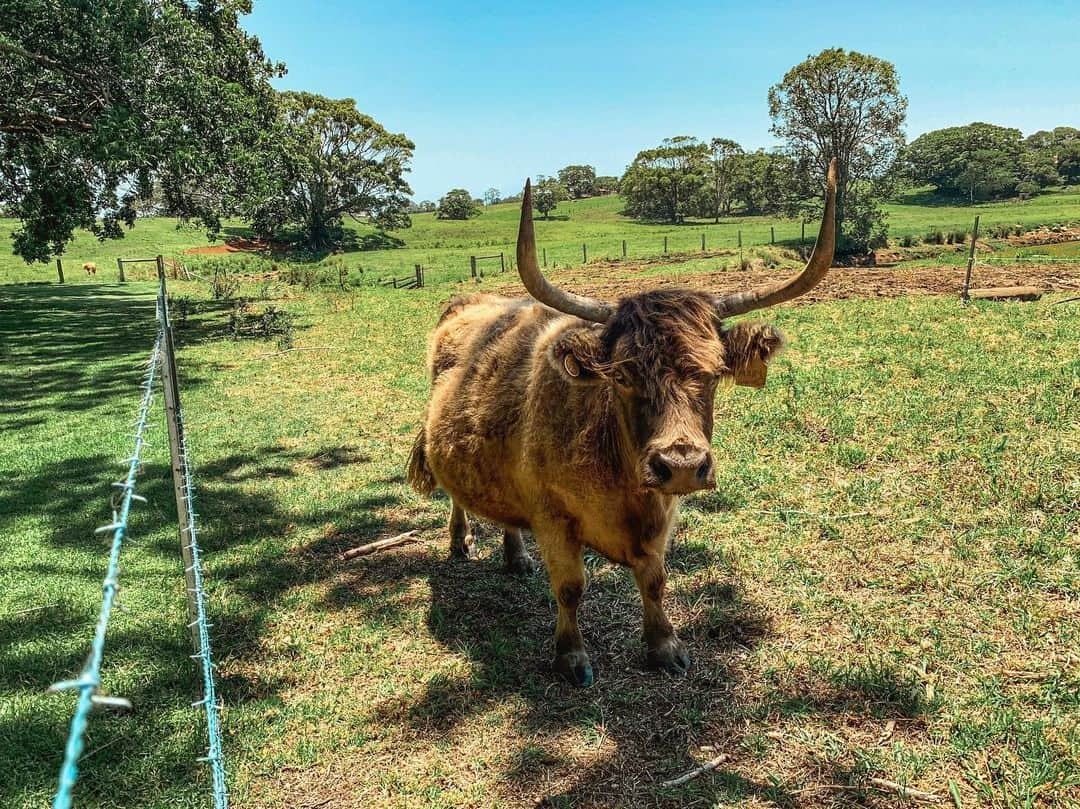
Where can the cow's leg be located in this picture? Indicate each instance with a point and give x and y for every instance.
(664, 649)
(514, 554)
(567, 573)
(462, 543)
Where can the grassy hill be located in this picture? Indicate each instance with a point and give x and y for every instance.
(444, 247)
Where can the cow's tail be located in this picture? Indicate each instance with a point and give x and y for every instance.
(418, 473)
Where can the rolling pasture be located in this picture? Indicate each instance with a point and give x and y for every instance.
(884, 584)
(444, 247)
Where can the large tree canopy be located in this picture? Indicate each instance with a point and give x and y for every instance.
(666, 183)
(845, 105)
(457, 203)
(579, 181)
(325, 160)
(977, 161)
(104, 100)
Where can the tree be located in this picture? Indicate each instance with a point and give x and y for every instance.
(458, 204)
(579, 181)
(547, 194)
(723, 158)
(104, 100)
(491, 196)
(325, 160)
(666, 183)
(607, 184)
(978, 160)
(1069, 162)
(845, 105)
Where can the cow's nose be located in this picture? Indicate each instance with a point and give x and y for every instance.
(681, 469)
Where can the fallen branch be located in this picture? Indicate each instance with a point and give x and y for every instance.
(906, 792)
(690, 776)
(382, 544)
(29, 610)
(288, 350)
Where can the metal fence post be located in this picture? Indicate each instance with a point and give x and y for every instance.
(964, 295)
(176, 443)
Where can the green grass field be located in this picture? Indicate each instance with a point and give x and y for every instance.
(884, 584)
(444, 248)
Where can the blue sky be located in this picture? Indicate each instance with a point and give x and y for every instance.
(494, 93)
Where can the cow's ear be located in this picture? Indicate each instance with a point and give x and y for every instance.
(747, 349)
(576, 355)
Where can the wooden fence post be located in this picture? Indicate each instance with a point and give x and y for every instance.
(624, 248)
(772, 235)
(472, 265)
(665, 245)
(60, 269)
(584, 254)
(740, 238)
(502, 262)
(802, 239)
(965, 296)
(176, 441)
(702, 242)
(545, 256)
(419, 277)
(120, 266)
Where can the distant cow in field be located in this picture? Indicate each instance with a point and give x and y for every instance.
(90, 267)
(585, 422)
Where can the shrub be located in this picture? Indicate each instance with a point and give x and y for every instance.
(864, 228)
(956, 237)
(908, 241)
(935, 236)
(1027, 189)
(225, 284)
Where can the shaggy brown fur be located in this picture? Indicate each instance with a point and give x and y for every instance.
(585, 434)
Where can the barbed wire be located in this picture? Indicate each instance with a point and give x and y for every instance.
(89, 680)
(209, 700)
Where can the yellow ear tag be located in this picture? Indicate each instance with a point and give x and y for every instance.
(570, 363)
(753, 375)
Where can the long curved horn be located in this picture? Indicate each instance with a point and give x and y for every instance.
(820, 260)
(539, 287)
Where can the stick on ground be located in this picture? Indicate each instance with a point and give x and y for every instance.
(382, 544)
(690, 776)
(906, 792)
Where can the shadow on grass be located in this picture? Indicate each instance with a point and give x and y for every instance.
(648, 721)
(647, 724)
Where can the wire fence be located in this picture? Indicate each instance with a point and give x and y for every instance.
(88, 682)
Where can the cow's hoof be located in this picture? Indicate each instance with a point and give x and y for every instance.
(464, 551)
(575, 667)
(521, 565)
(671, 656)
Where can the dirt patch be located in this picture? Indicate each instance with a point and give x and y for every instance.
(231, 246)
(842, 283)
